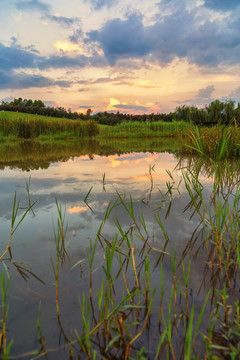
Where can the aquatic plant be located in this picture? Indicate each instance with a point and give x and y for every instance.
(135, 311)
(215, 143)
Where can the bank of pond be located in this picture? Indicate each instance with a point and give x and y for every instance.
(216, 142)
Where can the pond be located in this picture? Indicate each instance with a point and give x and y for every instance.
(115, 230)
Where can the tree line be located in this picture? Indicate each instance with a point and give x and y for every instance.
(216, 112)
(223, 112)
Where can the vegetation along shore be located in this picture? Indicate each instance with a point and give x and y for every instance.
(212, 131)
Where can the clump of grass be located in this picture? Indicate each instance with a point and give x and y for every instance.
(216, 143)
(29, 127)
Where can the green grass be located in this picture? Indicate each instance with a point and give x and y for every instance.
(26, 126)
(144, 129)
(216, 143)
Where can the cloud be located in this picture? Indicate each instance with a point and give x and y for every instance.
(76, 36)
(221, 4)
(80, 61)
(99, 4)
(50, 103)
(85, 107)
(7, 98)
(146, 84)
(204, 95)
(206, 92)
(235, 95)
(182, 34)
(131, 107)
(83, 90)
(13, 80)
(15, 44)
(32, 5)
(62, 20)
(105, 80)
(12, 58)
(122, 39)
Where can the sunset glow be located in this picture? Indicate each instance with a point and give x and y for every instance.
(131, 56)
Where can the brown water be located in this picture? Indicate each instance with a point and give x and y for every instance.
(68, 178)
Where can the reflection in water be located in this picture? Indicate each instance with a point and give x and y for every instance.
(126, 205)
(30, 155)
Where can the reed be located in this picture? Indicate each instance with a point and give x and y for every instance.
(215, 143)
(59, 238)
(144, 129)
(27, 126)
(4, 345)
(128, 315)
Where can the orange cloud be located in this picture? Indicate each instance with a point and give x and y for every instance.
(147, 84)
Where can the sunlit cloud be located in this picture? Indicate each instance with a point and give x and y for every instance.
(146, 84)
(67, 46)
(17, 17)
(112, 103)
(136, 107)
(128, 58)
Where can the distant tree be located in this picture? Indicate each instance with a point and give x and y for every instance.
(38, 103)
(88, 113)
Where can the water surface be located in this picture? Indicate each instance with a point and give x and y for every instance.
(66, 174)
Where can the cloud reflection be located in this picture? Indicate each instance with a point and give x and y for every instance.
(77, 209)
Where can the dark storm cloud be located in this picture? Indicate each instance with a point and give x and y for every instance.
(178, 35)
(32, 5)
(62, 20)
(12, 80)
(221, 4)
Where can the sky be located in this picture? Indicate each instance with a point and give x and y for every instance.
(131, 56)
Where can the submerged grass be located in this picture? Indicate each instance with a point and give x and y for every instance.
(128, 315)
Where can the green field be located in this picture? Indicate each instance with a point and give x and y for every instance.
(28, 126)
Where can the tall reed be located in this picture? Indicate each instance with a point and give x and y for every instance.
(216, 143)
(29, 127)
